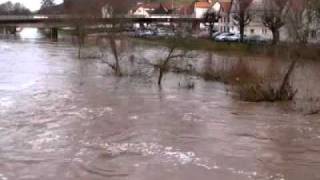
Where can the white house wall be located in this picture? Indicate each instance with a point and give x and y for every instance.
(200, 12)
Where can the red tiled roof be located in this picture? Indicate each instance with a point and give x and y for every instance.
(226, 6)
(202, 4)
(185, 9)
(297, 5)
(149, 5)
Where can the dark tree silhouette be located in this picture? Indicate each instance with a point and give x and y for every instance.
(47, 4)
(274, 16)
(241, 15)
(10, 8)
(301, 20)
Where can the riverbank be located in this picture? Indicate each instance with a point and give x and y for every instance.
(311, 52)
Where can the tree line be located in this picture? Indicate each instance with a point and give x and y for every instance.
(301, 17)
(9, 8)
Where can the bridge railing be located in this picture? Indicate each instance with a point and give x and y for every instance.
(67, 19)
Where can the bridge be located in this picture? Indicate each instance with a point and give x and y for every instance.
(65, 20)
(59, 21)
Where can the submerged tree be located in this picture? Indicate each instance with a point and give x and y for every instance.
(117, 47)
(163, 65)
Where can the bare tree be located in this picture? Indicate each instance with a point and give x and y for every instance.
(211, 18)
(118, 48)
(83, 14)
(241, 15)
(301, 20)
(275, 12)
(317, 8)
(163, 65)
(114, 42)
(47, 4)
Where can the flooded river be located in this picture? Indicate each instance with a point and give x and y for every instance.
(67, 119)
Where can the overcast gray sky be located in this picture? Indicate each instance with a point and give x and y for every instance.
(31, 4)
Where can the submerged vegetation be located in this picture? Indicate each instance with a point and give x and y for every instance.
(177, 55)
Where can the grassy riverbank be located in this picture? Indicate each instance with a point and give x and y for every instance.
(237, 49)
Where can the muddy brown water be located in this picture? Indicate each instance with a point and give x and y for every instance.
(64, 118)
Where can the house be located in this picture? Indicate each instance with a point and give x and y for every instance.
(201, 7)
(296, 21)
(154, 10)
(143, 9)
(303, 24)
(185, 10)
(255, 9)
(224, 24)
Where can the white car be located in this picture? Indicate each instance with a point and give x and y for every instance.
(214, 35)
(222, 37)
(164, 33)
(235, 38)
(144, 33)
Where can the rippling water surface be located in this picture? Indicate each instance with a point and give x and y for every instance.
(64, 118)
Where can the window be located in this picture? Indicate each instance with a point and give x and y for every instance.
(252, 31)
(264, 31)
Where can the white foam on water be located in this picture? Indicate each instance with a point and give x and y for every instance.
(6, 102)
(2, 177)
(171, 97)
(6, 87)
(5, 47)
(134, 117)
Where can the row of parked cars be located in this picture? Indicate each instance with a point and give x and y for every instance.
(217, 36)
(232, 37)
(159, 32)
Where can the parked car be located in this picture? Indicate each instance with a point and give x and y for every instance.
(233, 38)
(215, 34)
(164, 33)
(222, 37)
(144, 33)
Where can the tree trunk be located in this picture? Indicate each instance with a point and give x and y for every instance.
(118, 69)
(160, 76)
(241, 26)
(284, 90)
(276, 36)
(241, 33)
(116, 56)
(211, 27)
(79, 51)
(81, 39)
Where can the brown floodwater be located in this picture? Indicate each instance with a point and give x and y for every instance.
(67, 119)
